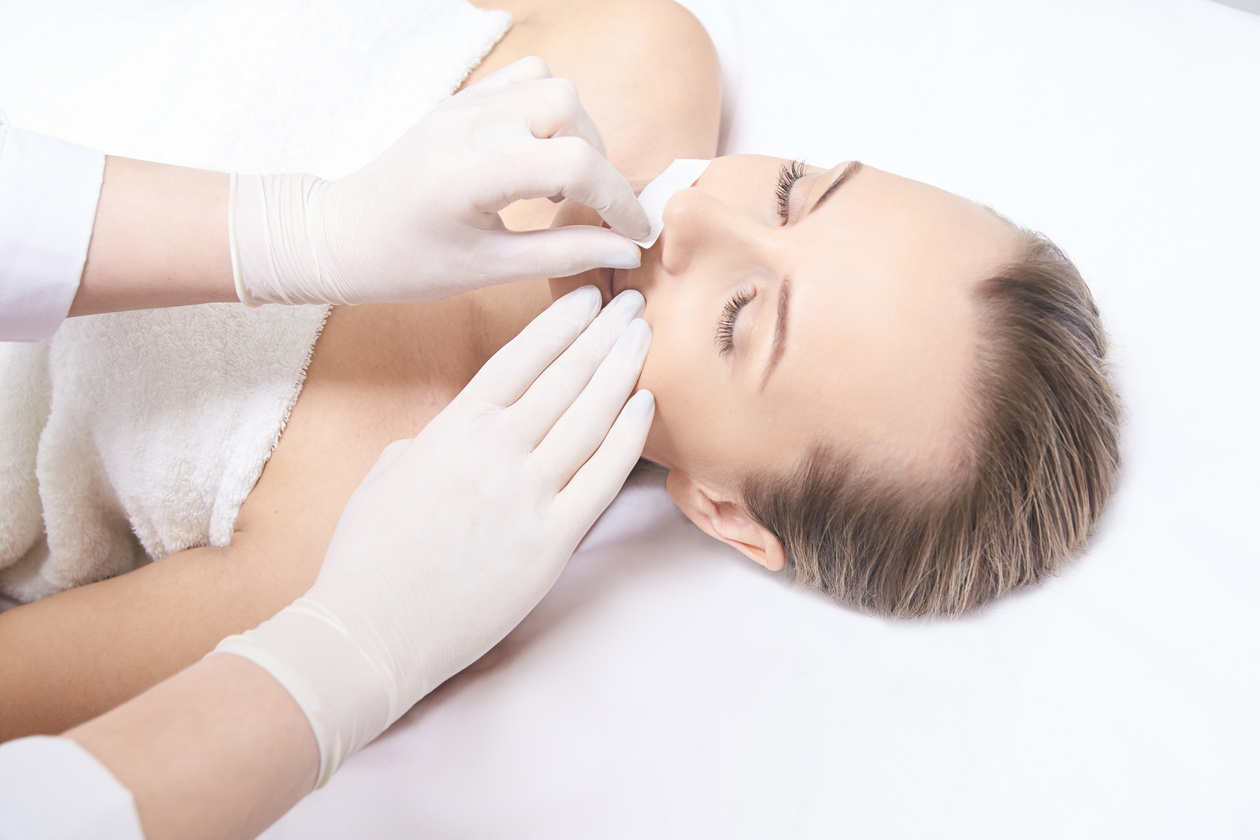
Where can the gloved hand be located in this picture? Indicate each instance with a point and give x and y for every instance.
(456, 535)
(421, 221)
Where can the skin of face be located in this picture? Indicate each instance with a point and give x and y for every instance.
(878, 329)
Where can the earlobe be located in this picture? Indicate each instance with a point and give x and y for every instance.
(723, 519)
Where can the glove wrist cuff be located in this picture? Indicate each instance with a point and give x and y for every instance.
(278, 240)
(345, 696)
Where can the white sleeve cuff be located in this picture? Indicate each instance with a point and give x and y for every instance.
(48, 194)
(53, 789)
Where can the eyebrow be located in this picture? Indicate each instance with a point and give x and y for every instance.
(785, 290)
(780, 340)
(852, 169)
(780, 330)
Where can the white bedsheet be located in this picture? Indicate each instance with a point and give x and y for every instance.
(669, 688)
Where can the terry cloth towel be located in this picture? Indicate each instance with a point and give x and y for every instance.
(131, 436)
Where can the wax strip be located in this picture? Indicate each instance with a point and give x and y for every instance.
(679, 175)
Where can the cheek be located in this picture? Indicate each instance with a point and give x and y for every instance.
(675, 355)
(690, 393)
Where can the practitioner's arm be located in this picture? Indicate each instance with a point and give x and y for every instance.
(399, 230)
(160, 239)
(415, 586)
(218, 750)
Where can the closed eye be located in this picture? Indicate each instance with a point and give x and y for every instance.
(725, 336)
(789, 174)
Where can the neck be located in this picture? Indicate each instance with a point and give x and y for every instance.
(499, 313)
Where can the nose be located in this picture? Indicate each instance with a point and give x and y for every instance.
(699, 225)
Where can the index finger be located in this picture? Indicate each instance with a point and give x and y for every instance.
(602, 188)
(569, 167)
(509, 373)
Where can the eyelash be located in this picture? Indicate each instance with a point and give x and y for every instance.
(726, 324)
(789, 174)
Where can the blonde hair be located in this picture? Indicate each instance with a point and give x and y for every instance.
(1043, 463)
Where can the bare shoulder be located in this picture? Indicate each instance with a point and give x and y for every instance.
(646, 70)
(628, 18)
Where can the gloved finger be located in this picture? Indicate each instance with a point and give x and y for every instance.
(554, 109)
(527, 69)
(556, 389)
(599, 480)
(558, 252)
(599, 186)
(579, 432)
(568, 166)
(509, 373)
(507, 118)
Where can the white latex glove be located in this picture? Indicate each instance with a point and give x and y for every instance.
(421, 221)
(456, 535)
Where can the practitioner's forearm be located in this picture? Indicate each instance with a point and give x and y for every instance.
(160, 239)
(220, 750)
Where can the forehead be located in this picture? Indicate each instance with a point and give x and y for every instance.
(882, 331)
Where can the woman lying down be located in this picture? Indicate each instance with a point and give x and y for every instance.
(883, 390)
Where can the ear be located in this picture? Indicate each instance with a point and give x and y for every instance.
(723, 519)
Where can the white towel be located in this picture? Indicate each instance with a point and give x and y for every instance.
(129, 437)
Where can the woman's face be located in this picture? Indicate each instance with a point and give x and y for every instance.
(792, 305)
